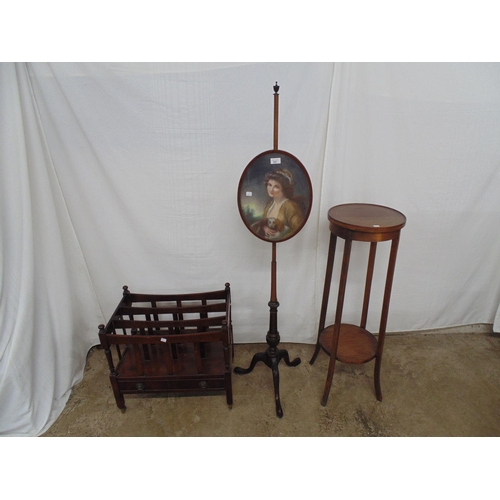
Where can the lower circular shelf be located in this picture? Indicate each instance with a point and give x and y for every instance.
(356, 345)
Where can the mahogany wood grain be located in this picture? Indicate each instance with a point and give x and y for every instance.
(355, 345)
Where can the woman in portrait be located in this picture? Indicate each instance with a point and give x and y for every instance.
(283, 215)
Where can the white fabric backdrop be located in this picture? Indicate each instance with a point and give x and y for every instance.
(116, 174)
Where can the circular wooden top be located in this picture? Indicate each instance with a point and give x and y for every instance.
(366, 217)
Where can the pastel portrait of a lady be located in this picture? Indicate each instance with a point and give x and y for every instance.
(283, 214)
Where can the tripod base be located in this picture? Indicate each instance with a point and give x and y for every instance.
(271, 358)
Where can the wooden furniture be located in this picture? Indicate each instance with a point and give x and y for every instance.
(288, 173)
(170, 344)
(345, 342)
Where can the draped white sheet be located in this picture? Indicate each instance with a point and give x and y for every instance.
(116, 174)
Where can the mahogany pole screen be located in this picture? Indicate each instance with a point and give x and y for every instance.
(274, 200)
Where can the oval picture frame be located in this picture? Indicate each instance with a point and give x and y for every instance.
(275, 196)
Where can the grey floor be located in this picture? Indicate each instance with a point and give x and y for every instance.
(434, 384)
